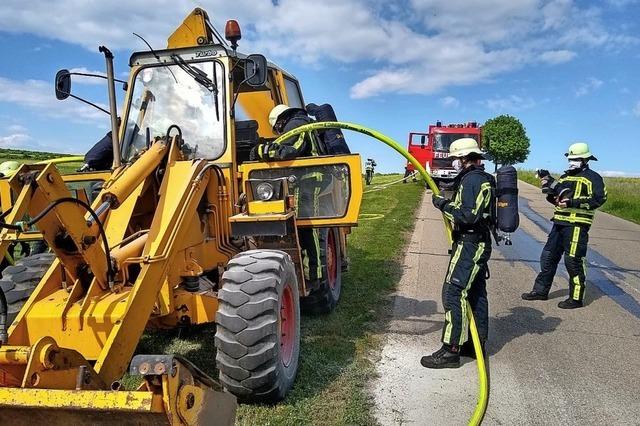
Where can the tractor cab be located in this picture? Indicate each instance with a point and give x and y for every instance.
(183, 230)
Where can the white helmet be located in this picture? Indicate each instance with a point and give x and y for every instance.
(276, 112)
(464, 147)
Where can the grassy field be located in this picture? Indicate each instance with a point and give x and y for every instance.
(623, 195)
(337, 349)
(28, 157)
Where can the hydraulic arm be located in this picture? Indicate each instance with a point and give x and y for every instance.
(78, 331)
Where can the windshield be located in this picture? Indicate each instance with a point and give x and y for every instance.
(442, 141)
(166, 95)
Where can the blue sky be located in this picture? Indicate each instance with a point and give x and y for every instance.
(566, 68)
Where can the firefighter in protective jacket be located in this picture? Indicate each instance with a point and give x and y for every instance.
(307, 189)
(472, 214)
(576, 195)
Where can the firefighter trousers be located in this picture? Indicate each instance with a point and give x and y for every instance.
(466, 280)
(572, 241)
(307, 195)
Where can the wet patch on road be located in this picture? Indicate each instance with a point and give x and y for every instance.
(600, 268)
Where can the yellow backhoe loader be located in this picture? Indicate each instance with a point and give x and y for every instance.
(183, 230)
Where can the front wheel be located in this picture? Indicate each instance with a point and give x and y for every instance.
(368, 177)
(258, 326)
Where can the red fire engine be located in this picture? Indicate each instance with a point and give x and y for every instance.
(432, 149)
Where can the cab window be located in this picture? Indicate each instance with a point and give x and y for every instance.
(293, 93)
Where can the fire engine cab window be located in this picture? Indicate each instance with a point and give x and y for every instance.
(166, 95)
(442, 141)
(417, 139)
(293, 93)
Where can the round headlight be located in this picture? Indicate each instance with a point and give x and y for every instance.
(264, 191)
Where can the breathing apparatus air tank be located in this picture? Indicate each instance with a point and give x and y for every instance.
(332, 138)
(507, 220)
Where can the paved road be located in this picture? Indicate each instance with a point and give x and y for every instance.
(548, 366)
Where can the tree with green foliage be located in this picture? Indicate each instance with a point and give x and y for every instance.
(505, 139)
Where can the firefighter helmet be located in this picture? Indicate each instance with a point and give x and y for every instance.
(464, 147)
(579, 151)
(9, 168)
(276, 112)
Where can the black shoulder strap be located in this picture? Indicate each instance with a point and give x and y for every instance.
(315, 138)
(493, 214)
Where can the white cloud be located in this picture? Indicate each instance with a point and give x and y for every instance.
(477, 19)
(418, 46)
(385, 81)
(557, 56)
(16, 128)
(81, 79)
(449, 102)
(509, 103)
(636, 109)
(15, 140)
(591, 85)
(23, 140)
(39, 96)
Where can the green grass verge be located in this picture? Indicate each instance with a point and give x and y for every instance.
(623, 195)
(337, 349)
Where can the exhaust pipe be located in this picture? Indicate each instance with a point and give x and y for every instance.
(111, 86)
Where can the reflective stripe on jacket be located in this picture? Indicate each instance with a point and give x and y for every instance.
(470, 209)
(586, 191)
(304, 145)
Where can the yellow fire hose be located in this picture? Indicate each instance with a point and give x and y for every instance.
(60, 160)
(483, 380)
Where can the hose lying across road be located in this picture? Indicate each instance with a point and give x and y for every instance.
(483, 379)
(388, 184)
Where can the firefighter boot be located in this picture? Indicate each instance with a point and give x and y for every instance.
(468, 349)
(533, 295)
(570, 304)
(448, 356)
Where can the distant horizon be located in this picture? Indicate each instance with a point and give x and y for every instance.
(605, 173)
(566, 69)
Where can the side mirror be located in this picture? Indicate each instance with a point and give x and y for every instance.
(63, 84)
(423, 141)
(255, 70)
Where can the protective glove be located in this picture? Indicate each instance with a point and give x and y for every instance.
(573, 203)
(439, 201)
(256, 153)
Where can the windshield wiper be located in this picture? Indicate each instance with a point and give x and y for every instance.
(201, 78)
(155, 55)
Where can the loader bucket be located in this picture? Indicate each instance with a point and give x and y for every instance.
(71, 407)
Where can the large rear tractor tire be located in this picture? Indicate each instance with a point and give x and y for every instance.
(258, 326)
(19, 281)
(324, 299)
